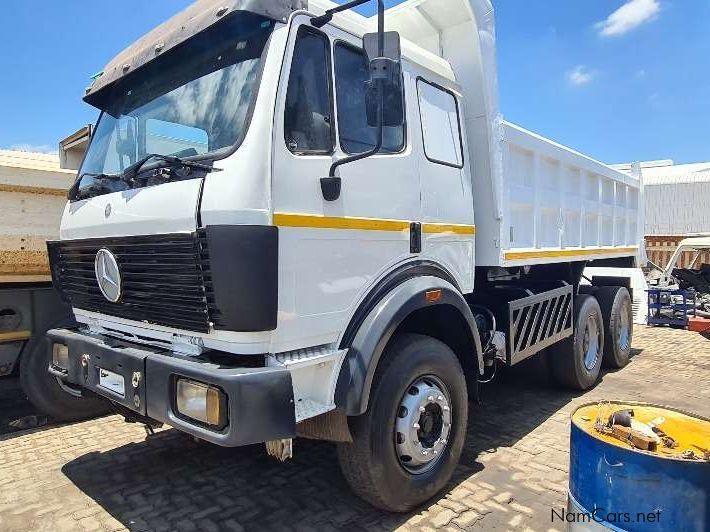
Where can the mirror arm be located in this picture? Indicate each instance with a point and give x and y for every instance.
(378, 143)
(380, 28)
(380, 90)
(321, 21)
(330, 186)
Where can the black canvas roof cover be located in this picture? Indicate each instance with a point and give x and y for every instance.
(192, 20)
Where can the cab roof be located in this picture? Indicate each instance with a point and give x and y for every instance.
(204, 13)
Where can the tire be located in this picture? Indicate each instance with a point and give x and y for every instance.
(43, 390)
(569, 364)
(371, 464)
(617, 312)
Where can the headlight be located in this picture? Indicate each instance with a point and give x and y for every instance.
(200, 402)
(60, 356)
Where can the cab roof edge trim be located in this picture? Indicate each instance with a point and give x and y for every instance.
(192, 20)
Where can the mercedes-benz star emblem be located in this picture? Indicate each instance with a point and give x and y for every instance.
(108, 275)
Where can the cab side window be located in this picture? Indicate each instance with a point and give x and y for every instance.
(356, 136)
(307, 122)
(441, 128)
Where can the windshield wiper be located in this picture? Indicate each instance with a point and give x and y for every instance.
(129, 175)
(99, 186)
(94, 189)
(131, 172)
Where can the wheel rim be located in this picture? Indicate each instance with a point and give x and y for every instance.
(423, 425)
(591, 342)
(624, 333)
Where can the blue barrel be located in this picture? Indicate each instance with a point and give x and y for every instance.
(614, 486)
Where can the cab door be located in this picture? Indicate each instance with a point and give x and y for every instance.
(447, 204)
(332, 252)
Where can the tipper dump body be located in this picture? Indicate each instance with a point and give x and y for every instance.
(536, 201)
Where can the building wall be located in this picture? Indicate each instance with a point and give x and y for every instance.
(678, 207)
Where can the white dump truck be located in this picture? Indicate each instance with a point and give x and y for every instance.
(33, 188)
(292, 222)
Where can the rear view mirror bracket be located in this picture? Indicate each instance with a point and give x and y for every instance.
(384, 88)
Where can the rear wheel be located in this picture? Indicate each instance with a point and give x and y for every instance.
(407, 444)
(615, 304)
(575, 362)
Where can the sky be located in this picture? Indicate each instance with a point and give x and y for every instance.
(619, 80)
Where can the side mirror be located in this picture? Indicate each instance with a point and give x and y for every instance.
(385, 72)
(392, 48)
(384, 91)
(393, 104)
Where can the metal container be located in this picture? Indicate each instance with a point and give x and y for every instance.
(614, 486)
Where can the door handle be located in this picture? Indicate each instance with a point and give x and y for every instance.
(415, 237)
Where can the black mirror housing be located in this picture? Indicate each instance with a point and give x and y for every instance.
(393, 109)
(392, 48)
(386, 72)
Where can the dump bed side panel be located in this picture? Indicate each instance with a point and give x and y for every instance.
(557, 206)
(32, 198)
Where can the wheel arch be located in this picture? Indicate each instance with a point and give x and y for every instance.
(425, 304)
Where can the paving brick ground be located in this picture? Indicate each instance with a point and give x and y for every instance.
(106, 475)
(13, 404)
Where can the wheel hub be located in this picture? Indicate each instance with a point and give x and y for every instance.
(591, 343)
(423, 424)
(624, 334)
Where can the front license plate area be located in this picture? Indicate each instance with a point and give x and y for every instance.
(113, 382)
(117, 374)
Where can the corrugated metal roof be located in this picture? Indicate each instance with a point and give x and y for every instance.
(676, 169)
(669, 179)
(664, 171)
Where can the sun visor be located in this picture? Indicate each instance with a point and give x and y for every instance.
(191, 21)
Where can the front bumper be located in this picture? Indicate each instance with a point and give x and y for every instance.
(259, 400)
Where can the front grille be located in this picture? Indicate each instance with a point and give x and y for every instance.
(165, 278)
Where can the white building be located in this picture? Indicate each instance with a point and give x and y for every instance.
(677, 197)
(677, 205)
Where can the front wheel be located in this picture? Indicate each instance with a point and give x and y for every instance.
(407, 444)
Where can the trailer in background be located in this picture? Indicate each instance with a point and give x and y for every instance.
(32, 197)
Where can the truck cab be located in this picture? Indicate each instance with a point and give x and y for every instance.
(250, 258)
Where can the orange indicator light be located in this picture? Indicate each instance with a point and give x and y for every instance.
(432, 296)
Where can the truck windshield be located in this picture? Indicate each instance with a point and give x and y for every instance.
(192, 102)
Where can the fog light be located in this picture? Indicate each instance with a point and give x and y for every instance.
(60, 356)
(199, 401)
